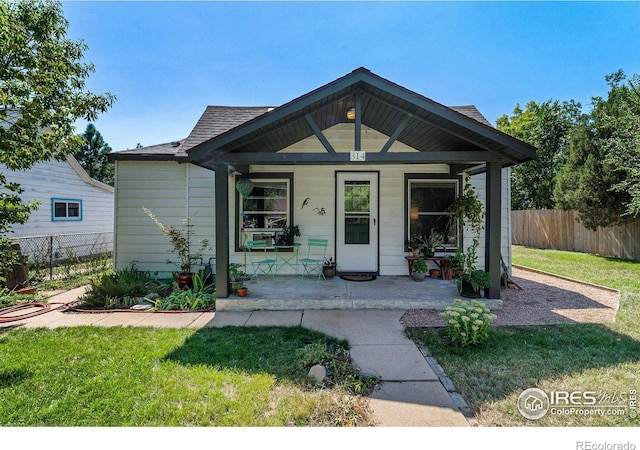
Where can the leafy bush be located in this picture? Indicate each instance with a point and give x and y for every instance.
(340, 370)
(468, 323)
(117, 288)
(201, 296)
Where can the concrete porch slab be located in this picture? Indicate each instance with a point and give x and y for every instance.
(385, 292)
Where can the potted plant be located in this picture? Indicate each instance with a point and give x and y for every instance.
(436, 239)
(419, 270)
(469, 285)
(237, 277)
(434, 273)
(415, 245)
(287, 235)
(329, 268)
(181, 242)
(242, 291)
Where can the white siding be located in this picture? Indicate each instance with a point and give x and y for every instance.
(162, 187)
(58, 179)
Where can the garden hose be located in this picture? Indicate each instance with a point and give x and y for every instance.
(7, 314)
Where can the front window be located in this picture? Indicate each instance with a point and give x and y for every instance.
(66, 209)
(264, 211)
(428, 201)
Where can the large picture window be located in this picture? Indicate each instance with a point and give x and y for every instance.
(428, 200)
(265, 210)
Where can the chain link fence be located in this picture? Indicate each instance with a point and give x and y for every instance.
(60, 255)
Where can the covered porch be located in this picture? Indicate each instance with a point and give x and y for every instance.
(385, 292)
(453, 141)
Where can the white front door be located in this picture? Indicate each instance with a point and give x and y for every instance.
(357, 221)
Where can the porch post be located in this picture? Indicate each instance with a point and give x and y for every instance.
(493, 227)
(222, 229)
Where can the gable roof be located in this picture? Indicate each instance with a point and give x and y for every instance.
(391, 109)
(427, 126)
(216, 120)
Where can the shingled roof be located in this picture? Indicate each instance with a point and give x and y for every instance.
(216, 120)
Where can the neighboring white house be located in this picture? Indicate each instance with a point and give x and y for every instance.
(360, 136)
(71, 203)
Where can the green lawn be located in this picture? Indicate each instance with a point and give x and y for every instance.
(232, 376)
(576, 357)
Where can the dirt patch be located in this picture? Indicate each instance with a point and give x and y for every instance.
(545, 299)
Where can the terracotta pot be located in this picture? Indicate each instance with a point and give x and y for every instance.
(435, 273)
(448, 275)
(242, 292)
(185, 280)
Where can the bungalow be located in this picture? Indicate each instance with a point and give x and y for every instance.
(360, 162)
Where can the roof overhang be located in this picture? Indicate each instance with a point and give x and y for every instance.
(439, 133)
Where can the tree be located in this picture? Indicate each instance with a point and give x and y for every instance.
(93, 156)
(546, 126)
(594, 166)
(623, 145)
(42, 94)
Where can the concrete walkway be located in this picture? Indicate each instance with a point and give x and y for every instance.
(410, 392)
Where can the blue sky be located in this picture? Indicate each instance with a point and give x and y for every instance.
(166, 61)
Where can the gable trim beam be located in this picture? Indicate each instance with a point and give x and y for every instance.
(321, 137)
(450, 115)
(394, 136)
(234, 158)
(441, 128)
(198, 153)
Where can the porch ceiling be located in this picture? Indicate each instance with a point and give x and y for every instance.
(436, 131)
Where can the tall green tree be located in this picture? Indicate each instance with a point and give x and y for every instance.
(93, 155)
(588, 179)
(42, 94)
(546, 126)
(623, 145)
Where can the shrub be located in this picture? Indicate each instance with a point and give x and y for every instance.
(117, 288)
(201, 296)
(468, 323)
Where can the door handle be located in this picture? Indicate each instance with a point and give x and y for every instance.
(374, 222)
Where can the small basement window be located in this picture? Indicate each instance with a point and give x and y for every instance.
(66, 209)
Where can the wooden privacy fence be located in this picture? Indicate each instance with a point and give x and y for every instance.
(559, 230)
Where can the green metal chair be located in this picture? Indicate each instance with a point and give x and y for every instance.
(315, 260)
(261, 263)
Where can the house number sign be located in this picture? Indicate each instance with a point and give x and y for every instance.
(357, 156)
